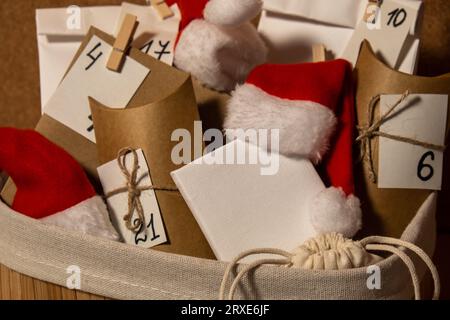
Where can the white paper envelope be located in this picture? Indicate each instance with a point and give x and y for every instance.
(292, 27)
(58, 40)
(238, 208)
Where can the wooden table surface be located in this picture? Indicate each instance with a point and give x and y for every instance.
(20, 101)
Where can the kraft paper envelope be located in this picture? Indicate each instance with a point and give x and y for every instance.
(58, 43)
(389, 211)
(150, 127)
(162, 81)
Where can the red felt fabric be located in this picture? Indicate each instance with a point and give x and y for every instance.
(48, 179)
(330, 84)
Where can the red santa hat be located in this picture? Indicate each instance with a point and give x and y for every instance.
(217, 44)
(312, 104)
(221, 12)
(51, 185)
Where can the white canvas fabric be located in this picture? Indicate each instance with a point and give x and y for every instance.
(121, 271)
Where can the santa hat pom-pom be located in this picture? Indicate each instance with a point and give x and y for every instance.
(333, 211)
(231, 13)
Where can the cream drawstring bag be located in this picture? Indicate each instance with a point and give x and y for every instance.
(108, 268)
(333, 251)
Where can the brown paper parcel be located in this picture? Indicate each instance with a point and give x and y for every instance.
(150, 127)
(388, 211)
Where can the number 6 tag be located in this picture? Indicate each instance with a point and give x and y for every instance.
(421, 117)
(425, 171)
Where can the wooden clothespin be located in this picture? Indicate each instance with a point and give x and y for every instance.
(319, 53)
(121, 44)
(370, 15)
(162, 9)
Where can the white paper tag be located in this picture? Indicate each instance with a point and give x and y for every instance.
(112, 178)
(387, 35)
(89, 77)
(422, 117)
(153, 36)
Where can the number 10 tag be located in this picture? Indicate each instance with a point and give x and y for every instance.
(386, 27)
(421, 117)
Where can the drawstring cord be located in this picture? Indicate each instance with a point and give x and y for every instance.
(377, 243)
(373, 243)
(286, 261)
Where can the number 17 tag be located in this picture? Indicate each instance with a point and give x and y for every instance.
(421, 117)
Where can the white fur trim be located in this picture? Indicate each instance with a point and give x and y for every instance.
(219, 57)
(231, 12)
(332, 211)
(89, 217)
(305, 126)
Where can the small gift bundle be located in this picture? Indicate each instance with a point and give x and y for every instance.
(148, 128)
(403, 128)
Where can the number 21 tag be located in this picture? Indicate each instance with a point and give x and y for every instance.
(421, 117)
(152, 232)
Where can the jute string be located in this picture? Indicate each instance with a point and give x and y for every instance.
(134, 190)
(374, 243)
(371, 130)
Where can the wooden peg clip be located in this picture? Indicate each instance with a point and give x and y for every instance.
(319, 53)
(369, 15)
(162, 9)
(121, 44)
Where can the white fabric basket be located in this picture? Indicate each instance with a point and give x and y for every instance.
(122, 271)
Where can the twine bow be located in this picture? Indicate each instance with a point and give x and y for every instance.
(133, 189)
(371, 130)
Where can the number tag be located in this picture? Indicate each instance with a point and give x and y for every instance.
(397, 17)
(386, 28)
(424, 167)
(89, 77)
(421, 117)
(154, 36)
(151, 233)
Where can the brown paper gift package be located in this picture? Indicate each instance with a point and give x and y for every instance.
(163, 89)
(388, 211)
(150, 127)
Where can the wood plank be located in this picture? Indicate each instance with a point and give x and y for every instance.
(68, 294)
(55, 292)
(27, 287)
(83, 295)
(41, 290)
(15, 285)
(4, 283)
